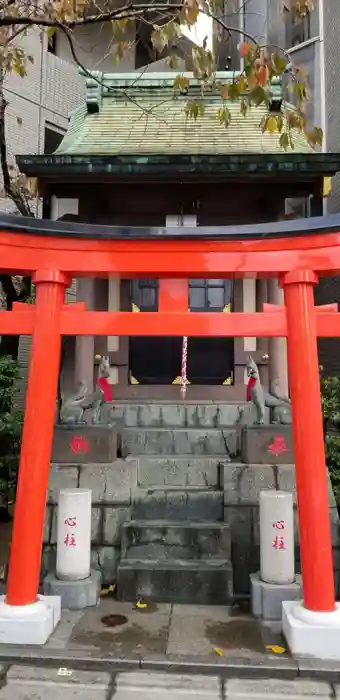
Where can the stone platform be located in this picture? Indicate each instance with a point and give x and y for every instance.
(79, 444)
(267, 444)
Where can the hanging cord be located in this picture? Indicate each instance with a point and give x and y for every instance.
(184, 367)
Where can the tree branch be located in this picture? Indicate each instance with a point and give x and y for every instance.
(19, 201)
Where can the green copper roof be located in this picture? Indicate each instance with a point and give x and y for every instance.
(140, 115)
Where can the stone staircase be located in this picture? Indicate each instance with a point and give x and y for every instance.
(177, 547)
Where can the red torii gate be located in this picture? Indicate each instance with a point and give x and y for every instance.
(296, 252)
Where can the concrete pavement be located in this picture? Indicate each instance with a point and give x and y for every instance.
(20, 682)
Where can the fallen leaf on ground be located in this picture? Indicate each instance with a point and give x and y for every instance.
(140, 605)
(219, 652)
(276, 649)
(108, 590)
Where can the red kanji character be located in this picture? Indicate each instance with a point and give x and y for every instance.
(70, 540)
(278, 446)
(279, 525)
(278, 543)
(71, 522)
(79, 444)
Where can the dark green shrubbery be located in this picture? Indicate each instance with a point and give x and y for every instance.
(10, 428)
(330, 394)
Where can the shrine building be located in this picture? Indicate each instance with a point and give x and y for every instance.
(132, 157)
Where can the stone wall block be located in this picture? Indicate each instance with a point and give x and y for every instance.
(106, 560)
(47, 525)
(61, 477)
(113, 522)
(242, 483)
(110, 483)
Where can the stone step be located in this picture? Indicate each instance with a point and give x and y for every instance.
(179, 471)
(150, 539)
(203, 582)
(173, 504)
(180, 441)
(149, 414)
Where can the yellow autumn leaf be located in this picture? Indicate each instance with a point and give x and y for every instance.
(219, 652)
(276, 649)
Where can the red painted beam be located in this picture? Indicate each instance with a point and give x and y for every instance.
(325, 308)
(17, 322)
(173, 295)
(173, 324)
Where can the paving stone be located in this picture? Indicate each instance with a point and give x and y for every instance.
(38, 683)
(110, 483)
(61, 477)
(113, 522)
(272, 689)
(164, 686)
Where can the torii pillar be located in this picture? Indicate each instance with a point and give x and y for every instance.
(23, 614)
(311, 627)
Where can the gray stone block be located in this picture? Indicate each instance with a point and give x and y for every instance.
(114, 519)
(207, 582)
(178, 471)
(48, 560)
(86, 444)
(61, 477)
(242, 483)
(157, 441)
(75, 595)
(200, 540)
(166, 686)
(106, 560)
(253, 689)
(267, 598)
(36, 682)
(110, 483)
(45, 674)
(177, 505)
(47, 525)
(267, 444)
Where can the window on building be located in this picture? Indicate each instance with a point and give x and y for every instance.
(299, 30)
(145, 52)
(52, 139)
(52, 43)
(298, 207)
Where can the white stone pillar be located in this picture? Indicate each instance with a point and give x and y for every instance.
(84, 361)
(277, 537)
(278, 371)
(249, 306)
(74, 534)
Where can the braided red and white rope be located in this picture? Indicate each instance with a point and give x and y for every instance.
(184, 367)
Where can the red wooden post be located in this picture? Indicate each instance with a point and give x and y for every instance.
(24, 568)
(310, 469)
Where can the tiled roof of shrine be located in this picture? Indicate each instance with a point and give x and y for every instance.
(126, 114)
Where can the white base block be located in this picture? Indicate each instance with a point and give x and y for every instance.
(29, 624)
(311, 633)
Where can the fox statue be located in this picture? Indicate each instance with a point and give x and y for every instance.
(279, 405)
(74, 406)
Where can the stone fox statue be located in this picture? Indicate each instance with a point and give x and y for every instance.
(74, 406)
(280, 406)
